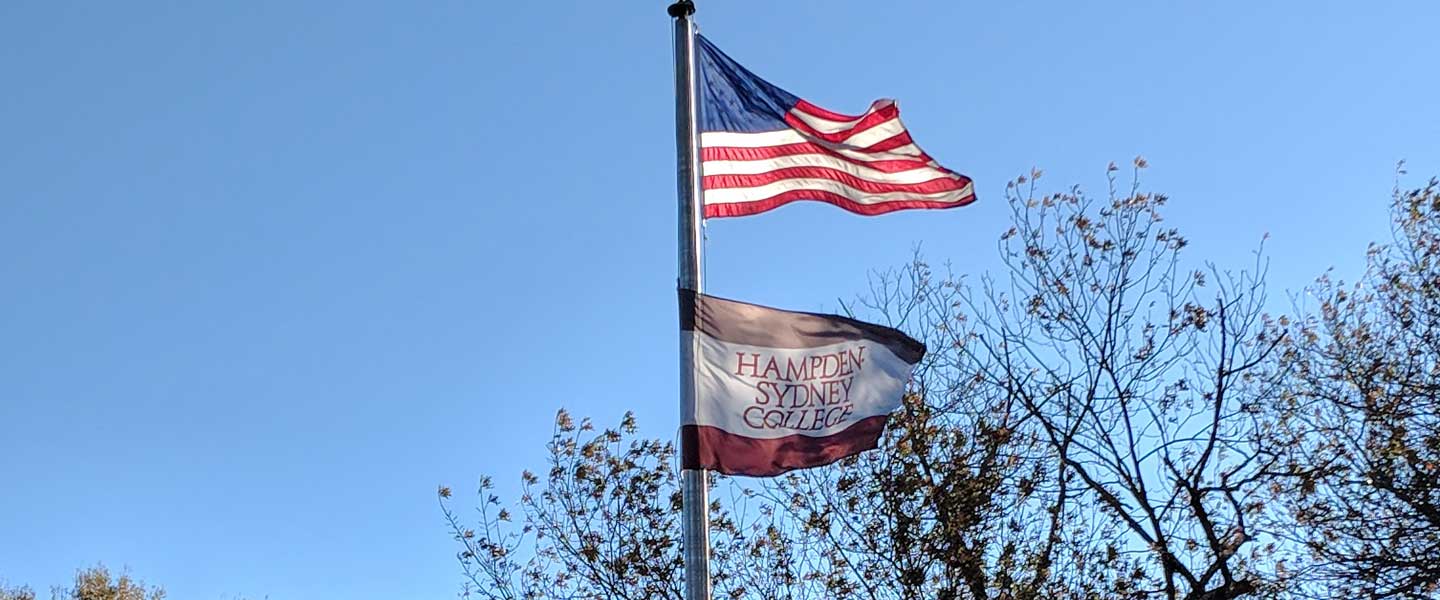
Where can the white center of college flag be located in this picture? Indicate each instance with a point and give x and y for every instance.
(778, 390)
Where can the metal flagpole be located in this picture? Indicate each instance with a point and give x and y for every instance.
(695, 496)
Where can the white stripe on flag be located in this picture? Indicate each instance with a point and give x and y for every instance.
(764, 139)
(872, 135)
(751, 194)
(756, 167)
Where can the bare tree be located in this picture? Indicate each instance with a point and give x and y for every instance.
(1091, 428)
(962, 501)
(1146, 387)
(93, 583)
(16, 593)
(603, 522)
(97, 583)
(932, 515)
(1365, 434)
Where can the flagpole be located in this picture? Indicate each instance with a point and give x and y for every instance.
(694, 495)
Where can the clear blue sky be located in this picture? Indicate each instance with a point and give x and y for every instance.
(271, 271)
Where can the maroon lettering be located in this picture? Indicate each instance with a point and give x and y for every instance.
(857, 356)
(765, 387)
(801, 392)
(754, 417)
(771, 367)
(754, 364)
(796, 370)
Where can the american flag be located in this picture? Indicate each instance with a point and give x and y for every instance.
(763, 147)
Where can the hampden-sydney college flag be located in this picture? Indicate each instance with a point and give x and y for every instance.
(777, 390)
(762, 147)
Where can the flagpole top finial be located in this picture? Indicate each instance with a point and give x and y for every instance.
(682, 8)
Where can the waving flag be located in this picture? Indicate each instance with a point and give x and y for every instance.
(777, 390)
(763, 147)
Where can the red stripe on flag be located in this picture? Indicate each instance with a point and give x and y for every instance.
(706, 447)
(810, 109)
(893, 142)
(873, 119)
(768, 152)
(741, 209)
(933, 186)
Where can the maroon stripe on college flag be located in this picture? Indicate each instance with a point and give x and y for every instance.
(704, 447)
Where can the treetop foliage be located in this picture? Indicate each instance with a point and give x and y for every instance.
(1104, 418)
